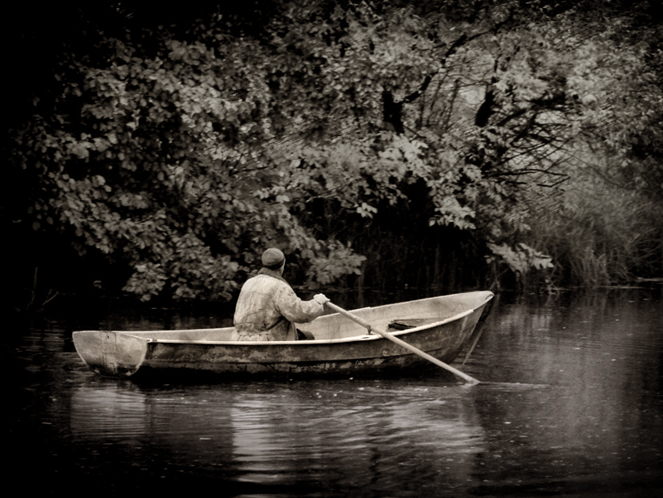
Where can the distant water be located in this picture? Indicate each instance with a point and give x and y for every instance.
(571, 405)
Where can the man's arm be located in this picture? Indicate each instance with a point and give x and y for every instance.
(298, 311)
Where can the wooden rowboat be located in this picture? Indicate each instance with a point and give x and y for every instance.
(440, 326)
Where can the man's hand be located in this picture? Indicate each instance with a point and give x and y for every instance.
(321, 298)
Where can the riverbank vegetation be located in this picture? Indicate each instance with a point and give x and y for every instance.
(441, 145)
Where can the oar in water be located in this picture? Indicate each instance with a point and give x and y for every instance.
(404, 344)
(477, 336)
(479, 327)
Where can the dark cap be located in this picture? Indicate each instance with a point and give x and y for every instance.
(273, 258)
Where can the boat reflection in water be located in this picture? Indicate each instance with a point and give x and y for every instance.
(307, 436)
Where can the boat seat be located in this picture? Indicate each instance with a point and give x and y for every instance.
(409, 323)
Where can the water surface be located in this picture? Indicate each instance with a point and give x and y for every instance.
(571, 405)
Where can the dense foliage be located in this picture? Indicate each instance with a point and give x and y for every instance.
(400, 143)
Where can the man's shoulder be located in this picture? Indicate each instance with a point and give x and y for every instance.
(262, 280)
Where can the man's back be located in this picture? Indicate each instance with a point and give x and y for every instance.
(268, 308)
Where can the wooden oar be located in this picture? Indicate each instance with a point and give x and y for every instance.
(479, 327)
(404, 344)
(477, 336)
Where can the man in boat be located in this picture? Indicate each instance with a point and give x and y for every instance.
(268, 308)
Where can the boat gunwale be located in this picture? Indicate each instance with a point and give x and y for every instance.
(354, 338)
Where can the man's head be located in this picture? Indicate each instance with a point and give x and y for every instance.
(273, 259)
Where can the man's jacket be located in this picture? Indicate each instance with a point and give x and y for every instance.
(267, 309)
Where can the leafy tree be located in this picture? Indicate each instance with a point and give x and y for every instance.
(415, 134)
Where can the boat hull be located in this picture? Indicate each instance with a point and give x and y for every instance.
(341, 347)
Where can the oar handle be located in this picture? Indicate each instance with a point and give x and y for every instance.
(398, 341)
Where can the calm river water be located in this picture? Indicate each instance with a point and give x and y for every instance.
(571, 404)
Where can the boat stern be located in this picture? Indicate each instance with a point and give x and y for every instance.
(111, 353)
